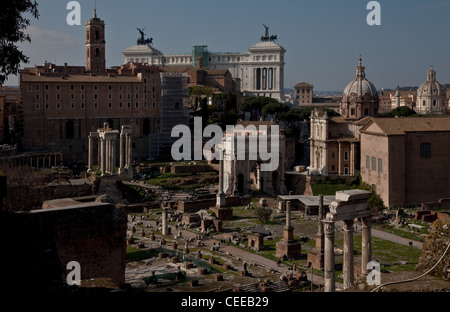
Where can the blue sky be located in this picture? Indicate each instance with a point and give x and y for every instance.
(323, 38)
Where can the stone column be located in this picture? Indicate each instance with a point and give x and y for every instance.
(366, 256)
(91, 153)
(107, 156)
(113, 156)
(348, 267)
(164, 221)
(235, 178)
(329, 256)
(220, 200)
(102, 155)
(121, 153)
(128, 151)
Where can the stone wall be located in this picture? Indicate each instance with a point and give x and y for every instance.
(93, 234)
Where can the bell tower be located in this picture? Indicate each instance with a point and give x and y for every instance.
(95, 45)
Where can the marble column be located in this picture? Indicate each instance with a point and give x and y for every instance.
(348, 267)
(91, 153)
(220, 200)
(235, 178)
(366, 254)
(102, 156)
(114, 143)
(121, 151)
(329, 256)
(164, 221)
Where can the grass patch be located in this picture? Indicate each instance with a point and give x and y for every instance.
(135, 254)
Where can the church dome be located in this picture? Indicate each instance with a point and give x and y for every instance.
(360, 86)
(431, 87)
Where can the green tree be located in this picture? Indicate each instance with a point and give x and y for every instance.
(402, 111)
(13, 24)
(275, 109)
(375, 203)
(263, 214)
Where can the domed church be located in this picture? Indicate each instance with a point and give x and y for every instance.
(360, 97)
(335, 141)
(431, 96)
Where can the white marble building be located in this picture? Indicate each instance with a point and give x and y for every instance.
(260, 70)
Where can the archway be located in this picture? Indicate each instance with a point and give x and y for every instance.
(240, 180)
(70, 129)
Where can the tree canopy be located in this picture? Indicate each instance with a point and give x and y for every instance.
(13, 24)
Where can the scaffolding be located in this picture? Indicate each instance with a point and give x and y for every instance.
(174, 109)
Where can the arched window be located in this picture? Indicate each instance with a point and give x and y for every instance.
(97, 35)
(97, 52)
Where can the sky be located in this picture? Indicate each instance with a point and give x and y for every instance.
(323, 38)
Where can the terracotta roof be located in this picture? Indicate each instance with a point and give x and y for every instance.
(176, 69)
(400, 126)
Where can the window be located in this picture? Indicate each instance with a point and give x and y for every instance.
(129, 104)
(374, 163)
(110, 96)
(82, 105)
(120, 104)
(82, 96)
(109, 105)
(46, 87)
(72, 87)
(46, 96)
(37, 106)
(345, 155)
(352, 112)
(37, 87)
(145, 104)
(137, 104)
(58, 105)
(46, 106)
(137, 96)
(72, 105)
(95, 87)
(37, 97)
(58, 87)
(434, 102)
(425, 150)
(72, 96)
(95, 105)
(424, 103)
(380, 165)
(153, 104)
(82, 87)
(58, 96)
(95, 96)
(110, 87)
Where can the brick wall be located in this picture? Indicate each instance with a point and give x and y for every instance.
(94, 234)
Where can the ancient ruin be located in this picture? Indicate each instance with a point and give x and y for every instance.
(107, 151)
(288, 247)
(347, 206)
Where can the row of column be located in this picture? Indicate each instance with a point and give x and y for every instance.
(264, 78)
(107, 150)
(348, 266)
(45, 161)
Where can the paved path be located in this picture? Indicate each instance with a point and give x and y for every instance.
(247, 256)
(395, 238)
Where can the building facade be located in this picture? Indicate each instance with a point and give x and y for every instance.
(260, 70)
(63, 104)
(407, 160)
(303, 94)
(335, 141)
